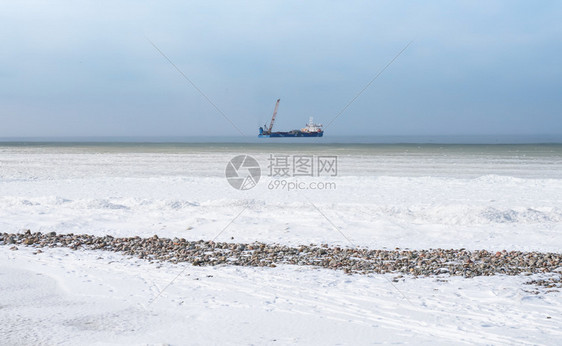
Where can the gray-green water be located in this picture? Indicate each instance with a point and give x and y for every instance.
(354, 159)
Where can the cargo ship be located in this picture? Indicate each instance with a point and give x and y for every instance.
(310, 130)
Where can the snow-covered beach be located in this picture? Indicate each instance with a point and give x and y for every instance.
(489, 197)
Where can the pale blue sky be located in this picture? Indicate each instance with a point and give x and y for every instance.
(84, 68)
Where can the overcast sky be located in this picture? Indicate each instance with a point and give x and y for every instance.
(85, 68)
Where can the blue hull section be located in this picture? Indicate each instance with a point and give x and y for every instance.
(291, 134)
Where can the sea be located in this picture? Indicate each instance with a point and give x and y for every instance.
(383, 192)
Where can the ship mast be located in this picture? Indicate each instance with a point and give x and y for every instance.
(274, 114)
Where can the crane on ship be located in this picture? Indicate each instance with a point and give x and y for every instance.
(273, 117)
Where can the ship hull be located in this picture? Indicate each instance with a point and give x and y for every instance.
(291, 134)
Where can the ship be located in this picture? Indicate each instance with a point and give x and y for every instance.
(310, 130)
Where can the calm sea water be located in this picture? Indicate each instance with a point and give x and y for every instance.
(464, 139)
(205, 157)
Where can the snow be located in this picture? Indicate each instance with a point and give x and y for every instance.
(416, 212)
(385, 197)
(77, 297)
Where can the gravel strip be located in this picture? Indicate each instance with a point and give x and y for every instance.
(457, 262)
